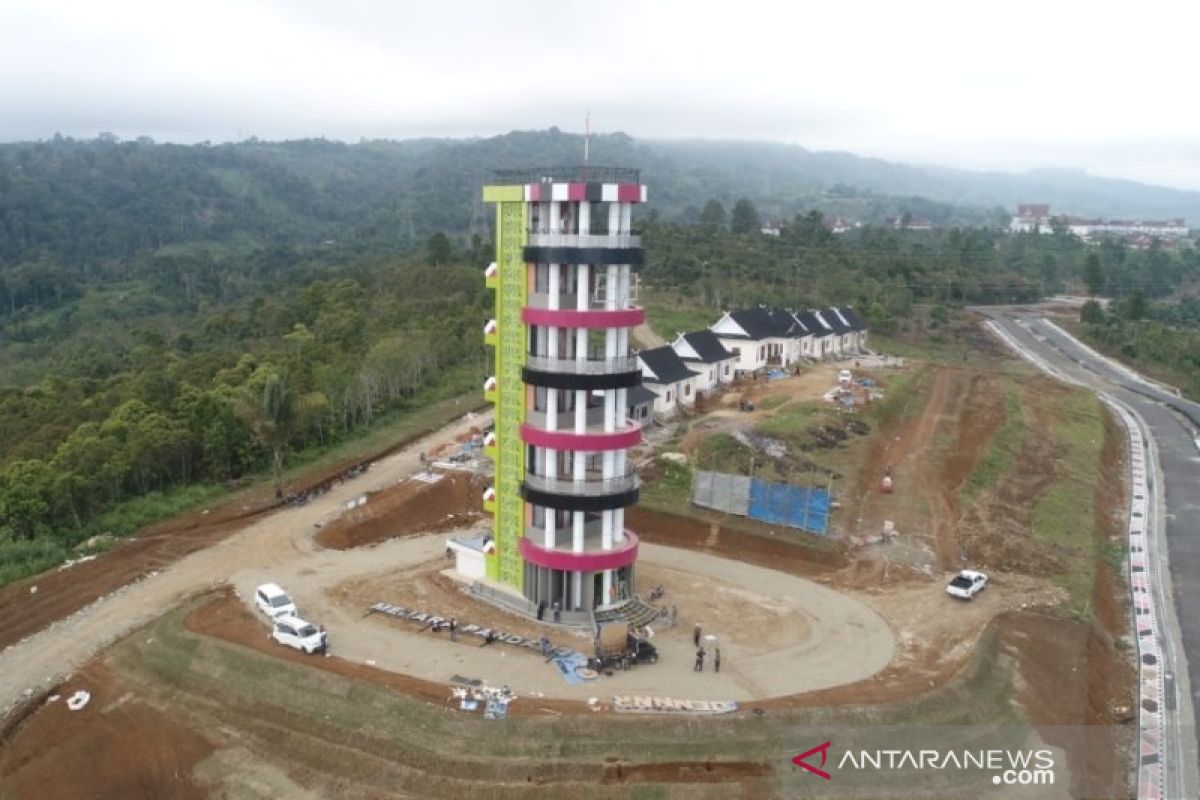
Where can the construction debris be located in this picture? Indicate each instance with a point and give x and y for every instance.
(78, 700)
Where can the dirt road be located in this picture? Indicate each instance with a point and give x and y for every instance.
(813, 657)
(43, 658)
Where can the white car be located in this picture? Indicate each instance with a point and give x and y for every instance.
(272, 600)
(966, 584)
(844, 377)
(295, 632)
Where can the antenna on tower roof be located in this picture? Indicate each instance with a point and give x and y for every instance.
(587, 136)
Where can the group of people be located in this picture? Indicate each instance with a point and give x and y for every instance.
(701, 652)
(555, 608)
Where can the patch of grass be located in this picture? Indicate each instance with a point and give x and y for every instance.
(671, 491)
(772, 401)
(723, 453)
(903, 397)
(668, 314)
(1001, 451)
(1064, 515)
(792, 421)
(138, 512)
(22, 558)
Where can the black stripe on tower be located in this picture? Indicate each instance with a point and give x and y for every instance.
(567, 380)
(572, 502)
(584, 255)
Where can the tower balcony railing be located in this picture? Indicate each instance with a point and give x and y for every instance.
(591, 366)
(594, 420)
(568, 301)
(564, 537)
(589, 240)
(573, 174)
(593, 486)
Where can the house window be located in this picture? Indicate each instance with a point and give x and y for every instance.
(727, 369)
(668, 397)
(687, 390)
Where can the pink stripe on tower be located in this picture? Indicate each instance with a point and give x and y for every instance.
(620, 439)
(595, 318)
(629, 193)
(624, 555)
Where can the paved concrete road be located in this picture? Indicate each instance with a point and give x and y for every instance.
(1171, 423)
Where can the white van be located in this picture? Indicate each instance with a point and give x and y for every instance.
(295, 632)
(273, 601)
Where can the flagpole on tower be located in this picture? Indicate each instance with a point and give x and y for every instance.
(587, 135)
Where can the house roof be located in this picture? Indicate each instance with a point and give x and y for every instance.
(707, 346)
(640, 394)
(839, 325)
(813, 323)
(665, 364)
(759, 323)
(856, 322)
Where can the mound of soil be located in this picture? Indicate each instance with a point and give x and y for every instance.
(116, 746)
(408, 508)
(697, 534)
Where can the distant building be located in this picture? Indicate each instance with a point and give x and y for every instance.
(907, 223)
(1031, 218)
(1036, 218)
(840, 224)
(762, 338)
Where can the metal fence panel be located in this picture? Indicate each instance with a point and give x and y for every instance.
(721, 492)
(778, 503)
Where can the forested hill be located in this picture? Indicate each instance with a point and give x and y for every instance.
(87, 201)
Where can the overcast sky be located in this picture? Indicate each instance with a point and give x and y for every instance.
(1009, 84)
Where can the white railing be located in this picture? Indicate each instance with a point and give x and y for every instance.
(615, 240)
(585, 488)
(570, 366)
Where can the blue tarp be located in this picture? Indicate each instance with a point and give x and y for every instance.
(569, 666)
(794, 506)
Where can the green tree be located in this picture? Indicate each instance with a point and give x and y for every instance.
(745, 217)
(269, 407)
(1091, 313)
(1093, 275)
(713, 215)
(439, 249)
(1134, 307)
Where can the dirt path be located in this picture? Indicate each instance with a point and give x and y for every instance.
(824, 623)
(41, 659)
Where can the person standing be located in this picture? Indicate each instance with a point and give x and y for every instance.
(454, 630)
(674, 614)
(699, 659)
(557, 613)
(717, 660)
(696, 635)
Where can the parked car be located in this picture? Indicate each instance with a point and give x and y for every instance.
(295, 632)
(966, 584)
(845, 378)
(272, 600)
